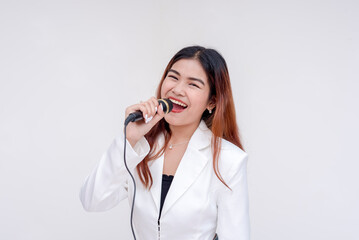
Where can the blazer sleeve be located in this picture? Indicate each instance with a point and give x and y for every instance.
(233, 206)
(107, 184)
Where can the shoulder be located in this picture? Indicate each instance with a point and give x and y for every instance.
(231, 151)
(231, 160)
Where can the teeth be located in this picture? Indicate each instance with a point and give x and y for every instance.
(178, 103)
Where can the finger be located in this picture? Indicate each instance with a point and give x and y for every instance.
(132, 108)
(153, 107)
(160, 110)
(148, 107)
(157, 117)
(155, 101)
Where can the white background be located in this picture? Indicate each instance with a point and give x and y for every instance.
(68, 69)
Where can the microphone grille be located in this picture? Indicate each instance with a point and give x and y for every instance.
(166, 105)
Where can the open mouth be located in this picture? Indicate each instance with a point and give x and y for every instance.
(178, 106)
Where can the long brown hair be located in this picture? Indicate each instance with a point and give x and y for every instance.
(222, 121)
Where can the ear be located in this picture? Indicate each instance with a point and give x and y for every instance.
(211, 103)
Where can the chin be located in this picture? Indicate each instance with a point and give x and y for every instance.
(173, 120)
(176, 121)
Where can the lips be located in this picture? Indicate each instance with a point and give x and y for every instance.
(178, 105)
(178, 102)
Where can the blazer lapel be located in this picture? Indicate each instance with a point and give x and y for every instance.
(190, 167)
(156, 169)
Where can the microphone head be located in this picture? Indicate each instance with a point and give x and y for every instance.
(166, 104)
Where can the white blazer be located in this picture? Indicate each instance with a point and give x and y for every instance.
(197, 205)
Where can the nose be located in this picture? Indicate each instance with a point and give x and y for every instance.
(178, 89)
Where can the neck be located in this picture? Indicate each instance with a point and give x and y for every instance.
(182, 133)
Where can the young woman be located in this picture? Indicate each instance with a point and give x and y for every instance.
(189, 164)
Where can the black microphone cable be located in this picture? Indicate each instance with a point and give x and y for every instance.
(133, 179)
(133, 117)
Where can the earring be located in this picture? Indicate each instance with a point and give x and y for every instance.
(210, 111)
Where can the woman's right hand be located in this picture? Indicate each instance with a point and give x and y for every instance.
(136, 130)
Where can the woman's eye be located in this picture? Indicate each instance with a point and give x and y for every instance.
(192, 84)
(170, 76)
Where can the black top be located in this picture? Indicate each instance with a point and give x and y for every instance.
(166, 183)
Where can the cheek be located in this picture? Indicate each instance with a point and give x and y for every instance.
(166, 86)
(163, 90)
(199, 101)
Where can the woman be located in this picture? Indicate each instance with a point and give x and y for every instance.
(189, 165)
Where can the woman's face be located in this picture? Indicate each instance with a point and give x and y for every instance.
(186, 85)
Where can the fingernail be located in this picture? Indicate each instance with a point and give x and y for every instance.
(156, 109)
(146, 118)
(149, 119)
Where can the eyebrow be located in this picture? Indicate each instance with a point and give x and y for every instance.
(191, 78)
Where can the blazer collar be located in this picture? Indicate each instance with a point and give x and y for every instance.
(201, 138)
(191, 165)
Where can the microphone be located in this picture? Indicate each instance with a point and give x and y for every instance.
(134, 117)
(167, 107)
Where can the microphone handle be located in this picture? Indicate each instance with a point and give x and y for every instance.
(136, 116)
